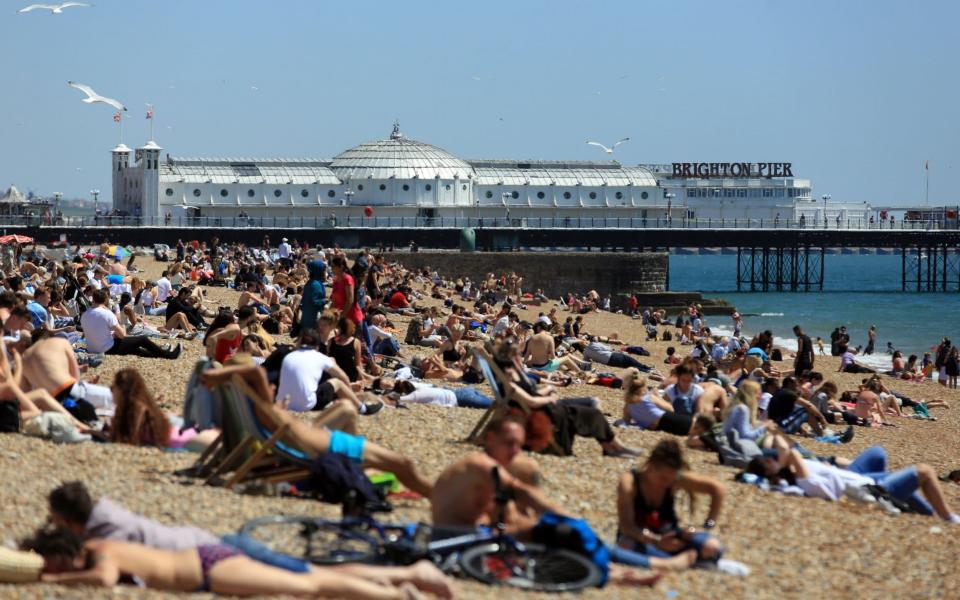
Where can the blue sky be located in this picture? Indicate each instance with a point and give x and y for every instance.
(857, 94)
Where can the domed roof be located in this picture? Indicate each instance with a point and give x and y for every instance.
(399, 158)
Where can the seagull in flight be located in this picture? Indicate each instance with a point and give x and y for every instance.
(93, 97)
(55, 9)
(610, 149)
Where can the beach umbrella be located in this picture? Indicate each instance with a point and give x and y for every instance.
(19, 239)
(117, 251)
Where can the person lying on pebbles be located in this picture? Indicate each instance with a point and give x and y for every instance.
(223, 570)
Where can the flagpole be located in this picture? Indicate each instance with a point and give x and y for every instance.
(121, 128)
(926, 200)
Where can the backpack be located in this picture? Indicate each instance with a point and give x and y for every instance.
(413, 331)
(666, 337)
(336, 479)
(575, 535)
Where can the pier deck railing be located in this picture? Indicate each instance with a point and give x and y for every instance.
(325, 222)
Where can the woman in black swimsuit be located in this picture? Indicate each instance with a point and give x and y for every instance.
(344, 348)
(648, 521)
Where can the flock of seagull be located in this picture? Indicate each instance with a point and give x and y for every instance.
(94, 98)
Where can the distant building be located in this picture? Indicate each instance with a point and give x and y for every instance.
(399, 178)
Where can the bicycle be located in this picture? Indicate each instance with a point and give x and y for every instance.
(487, 555)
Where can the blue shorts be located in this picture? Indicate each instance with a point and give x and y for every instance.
(695, 542)
(350, 446)
(115, 279)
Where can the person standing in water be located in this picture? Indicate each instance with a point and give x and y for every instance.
(871, 339)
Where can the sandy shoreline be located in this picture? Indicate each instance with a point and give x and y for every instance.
(796, 547)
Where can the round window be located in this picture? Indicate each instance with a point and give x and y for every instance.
(464, 187)
(489, 194)
(593, 195)
(448, 187)
(169, 191)
(540, 195)
(360, 187)
(331, 194)
(224, 193)
(406, 188)
(382, 187)
(196, 192)
(304, 193)
(251, 193)
(428, 187)
(515, 194)
(566, 195)
(277, 193)
(644, 195)
(619, 195)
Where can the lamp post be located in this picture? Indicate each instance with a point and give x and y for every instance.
(57, 196)
(506, 207)
(669, 196)
(96, 203)
(825, 197)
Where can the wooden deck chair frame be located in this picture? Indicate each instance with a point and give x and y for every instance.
(488, 367)
(280, 466)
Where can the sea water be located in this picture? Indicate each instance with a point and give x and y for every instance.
(858, 291)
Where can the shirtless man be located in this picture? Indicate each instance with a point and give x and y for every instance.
(222, 569)
(542, 353)
(50, 364)
(463, 495)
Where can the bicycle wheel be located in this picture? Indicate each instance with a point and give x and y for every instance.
(316, 540)
(530, 566)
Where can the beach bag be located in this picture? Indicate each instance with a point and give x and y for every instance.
(608, 380)
(538, 427)
(666, 337)
(413, 331)
(9, 416)
(575, 535)
(81, 410)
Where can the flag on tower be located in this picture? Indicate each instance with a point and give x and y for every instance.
(116, 117)
(150, 113)
(926, 165)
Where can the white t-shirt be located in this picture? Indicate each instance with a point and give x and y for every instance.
(300, 375)
(501, 325)
(284, 250)
(98, 324)
(163, 289)
(828, 482)
(430, 394)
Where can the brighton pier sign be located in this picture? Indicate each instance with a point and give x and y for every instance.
(733, 169)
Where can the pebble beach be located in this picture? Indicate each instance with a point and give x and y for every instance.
(794, 547)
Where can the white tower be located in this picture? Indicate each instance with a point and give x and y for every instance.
(121, 162)
(149, 157)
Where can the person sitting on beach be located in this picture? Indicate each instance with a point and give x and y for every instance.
(50, 364)
(221, 569)
(138, 419)
(464, 496)
(741, 415)
(848, 363)
(72, 508)
(647, 520)
(823, 480)
(317, 440)
(104, 334)
(541, 353)
(645, 408)
(792, 413)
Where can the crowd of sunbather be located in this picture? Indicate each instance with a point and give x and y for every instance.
(345, 361)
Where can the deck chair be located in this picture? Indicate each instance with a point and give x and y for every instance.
(496, 378)
(270, 454)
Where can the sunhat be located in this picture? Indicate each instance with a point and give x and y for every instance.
(19, 567)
